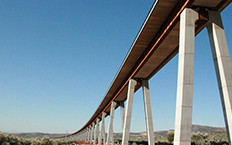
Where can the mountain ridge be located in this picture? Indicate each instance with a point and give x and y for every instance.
(163, 133)
(142, 134)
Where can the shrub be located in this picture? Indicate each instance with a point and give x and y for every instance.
(170, 137)
(5, 143)
(2, 138)
(14, 140)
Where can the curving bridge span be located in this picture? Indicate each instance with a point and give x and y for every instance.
(170, 27)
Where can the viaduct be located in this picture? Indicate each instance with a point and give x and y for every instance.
(170, 28)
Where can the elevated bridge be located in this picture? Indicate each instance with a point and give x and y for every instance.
(170, 27)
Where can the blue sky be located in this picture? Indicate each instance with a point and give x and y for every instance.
(58, 59)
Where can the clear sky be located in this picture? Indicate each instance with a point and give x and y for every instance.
(58, 59)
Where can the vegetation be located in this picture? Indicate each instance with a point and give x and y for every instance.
(170, 137)
(209, 139)
(7, 139)
(200, 138)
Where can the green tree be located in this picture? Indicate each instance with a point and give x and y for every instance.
(2, 138)
(198, 139)
(46, 141)
(170, 137)
(5, 143)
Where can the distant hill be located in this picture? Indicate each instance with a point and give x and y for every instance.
(199, 128)
(195, 129)
(36, 134)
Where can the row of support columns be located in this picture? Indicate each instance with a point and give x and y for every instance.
(183, 120)
(223, 68)
(126, 119)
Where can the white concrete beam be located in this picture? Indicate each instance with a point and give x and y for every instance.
(88, 134)
(122, 108)
(102, 132)
(92, 131)
(110, 135)
(148, 114)
(183, 121)
(127, 121)
(223, 68)
(96, 131)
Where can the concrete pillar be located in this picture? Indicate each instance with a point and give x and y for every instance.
(127, 121)
(96, 131)
(183, 122)
(110, 135)
(83, 136)
(148, 114)
(222, 63)
(77, 137)
(102, 132)
(122, 112)
(88, 129)
(86, 135)
(92, 131)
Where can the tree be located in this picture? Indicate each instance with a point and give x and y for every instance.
(46, 141)
(197, 137)
(5, 143)
(2, 138)
(170, 137)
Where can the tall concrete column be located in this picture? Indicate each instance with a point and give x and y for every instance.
(223, 68)
(88, 134)
(110, 135)
(92, 131)
(102, 132)
(127, 121)
(82, 136)
(85, 136)
(99, 135)
(96, 131)
(76, 137)
(122, 108)
(148, 114)
(183, 121)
